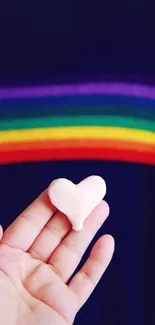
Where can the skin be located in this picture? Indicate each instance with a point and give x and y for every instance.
(38, 254)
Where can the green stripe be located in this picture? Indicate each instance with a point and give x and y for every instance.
(82, 120)
(9, 114)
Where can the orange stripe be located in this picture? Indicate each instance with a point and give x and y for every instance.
(99, 143)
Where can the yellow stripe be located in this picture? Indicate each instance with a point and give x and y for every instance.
(96, 132)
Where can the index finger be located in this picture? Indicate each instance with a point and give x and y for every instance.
(25, 229)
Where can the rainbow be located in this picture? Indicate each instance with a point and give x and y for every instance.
(109, 121)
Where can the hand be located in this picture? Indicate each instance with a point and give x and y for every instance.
(38, 255)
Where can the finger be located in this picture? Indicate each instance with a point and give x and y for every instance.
(85, 281)
(68, 255)
(1, 232)
(50, 237)
(24, 230)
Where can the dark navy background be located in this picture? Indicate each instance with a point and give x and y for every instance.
(54, 39)
(43, 42)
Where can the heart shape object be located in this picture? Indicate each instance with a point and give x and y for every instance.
(77, 201)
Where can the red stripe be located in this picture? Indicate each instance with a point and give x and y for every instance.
(77, 154)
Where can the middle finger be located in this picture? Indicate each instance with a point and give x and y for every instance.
(67, 256)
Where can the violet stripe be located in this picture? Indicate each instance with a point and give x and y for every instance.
(79, 89)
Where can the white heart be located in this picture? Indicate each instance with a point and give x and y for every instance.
(77, 201)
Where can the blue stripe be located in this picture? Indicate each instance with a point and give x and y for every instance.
(92, 100)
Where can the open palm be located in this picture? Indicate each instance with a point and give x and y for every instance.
(38, 254)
